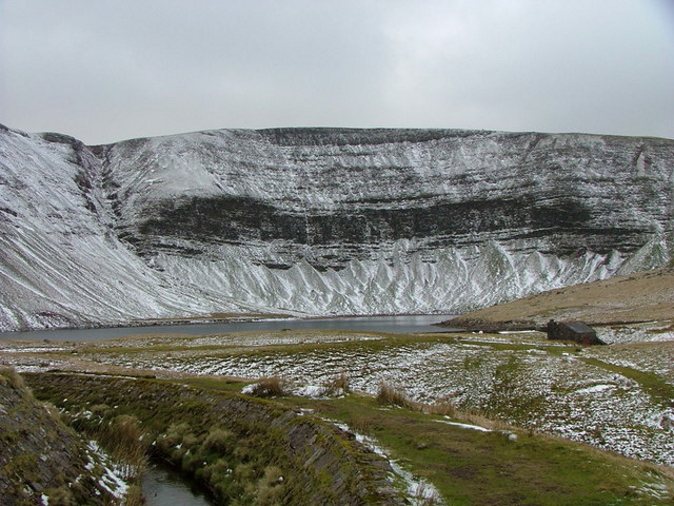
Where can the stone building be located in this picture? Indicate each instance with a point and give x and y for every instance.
(578, 332)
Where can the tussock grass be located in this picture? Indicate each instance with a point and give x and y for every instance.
(269, 387)
(220, 440)
(134, 496)
(269, 488)
(60, 496)
(9, 376)
(339, 383)
(127, 444)
(444, 407)
(390, 395)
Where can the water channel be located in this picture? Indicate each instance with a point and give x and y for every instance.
(163, 486)
(400, 324)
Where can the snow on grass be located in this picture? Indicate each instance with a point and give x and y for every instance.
(655, 488)
(521, 380)
(653, 331)
(595, 389)
(318, 392)
(464, 425)
(109, 479)
(558, 395)
(419, 491)
(7, 349)
(654, 357)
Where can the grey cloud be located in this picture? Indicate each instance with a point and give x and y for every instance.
(108, 70)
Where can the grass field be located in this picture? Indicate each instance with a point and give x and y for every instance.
(537, 399)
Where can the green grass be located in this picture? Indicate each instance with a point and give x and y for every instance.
(476, 468)
(660, 391)
(235, 445)
(467, 466)
(470, 467)
(214, 383)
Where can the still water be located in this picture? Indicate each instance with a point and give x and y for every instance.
(401, 324)
(162, 486)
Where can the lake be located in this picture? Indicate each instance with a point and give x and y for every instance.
(400, 324)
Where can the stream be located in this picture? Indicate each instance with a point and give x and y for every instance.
(164, 486)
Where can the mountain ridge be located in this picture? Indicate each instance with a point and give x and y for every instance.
(320, 221)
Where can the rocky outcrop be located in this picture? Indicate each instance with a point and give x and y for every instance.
(320, 221)
(331, 196)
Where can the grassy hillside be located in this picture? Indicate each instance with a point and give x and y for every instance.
(42, 461)
(637, 297)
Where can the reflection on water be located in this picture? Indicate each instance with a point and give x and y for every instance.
(162, 486)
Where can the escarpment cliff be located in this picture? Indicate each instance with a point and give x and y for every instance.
(320, 220)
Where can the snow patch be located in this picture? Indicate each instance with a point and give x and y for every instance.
(464, 425)
(594, 389)
(110, 479)
(419, 491)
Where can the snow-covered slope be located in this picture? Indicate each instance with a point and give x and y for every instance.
(319, 220)
(61, 263)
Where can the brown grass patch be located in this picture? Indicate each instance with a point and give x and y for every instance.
(269, 387)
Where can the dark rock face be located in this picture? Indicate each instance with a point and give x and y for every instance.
(328, 220)
(362, 188)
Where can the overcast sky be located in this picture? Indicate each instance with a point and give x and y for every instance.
(107, 70)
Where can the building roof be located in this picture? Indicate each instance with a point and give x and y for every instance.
(578, 327)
